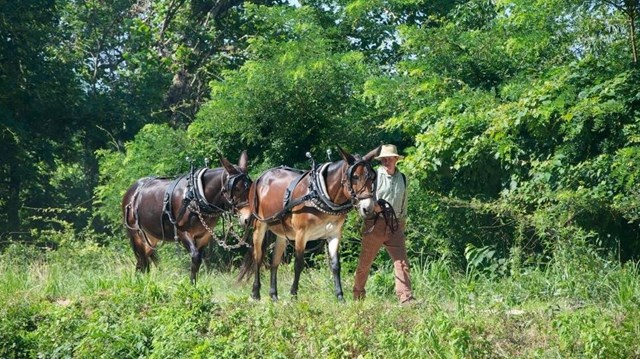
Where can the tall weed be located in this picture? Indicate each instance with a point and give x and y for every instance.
(86, 300)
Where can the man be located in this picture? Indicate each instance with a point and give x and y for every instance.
(383, 230)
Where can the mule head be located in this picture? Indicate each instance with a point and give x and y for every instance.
(236, 187)
(359, 180)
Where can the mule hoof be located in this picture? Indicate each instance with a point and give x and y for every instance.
(274, 297)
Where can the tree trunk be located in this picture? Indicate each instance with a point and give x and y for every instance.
(13, 199)
(633, 12)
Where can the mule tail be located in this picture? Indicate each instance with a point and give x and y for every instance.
(248, 266)
(143, 258)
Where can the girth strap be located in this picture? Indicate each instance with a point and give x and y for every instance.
(168, 206)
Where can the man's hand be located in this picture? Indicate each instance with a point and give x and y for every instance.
(377, 208)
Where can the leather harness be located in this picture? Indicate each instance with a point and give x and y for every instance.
(195, 194)
(315, 192)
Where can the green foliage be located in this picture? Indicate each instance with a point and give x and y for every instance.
(519, 120)
(296, 92)
(483, 260)
(520, 124)
(156, 151)
(102, 308)
(36, 87)
(595, 334)
(16, 325)
(82, 77)
(520, 155)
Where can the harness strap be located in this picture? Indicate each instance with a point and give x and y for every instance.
(133, 206)
(287, 204)
(197, 185)
(168, 206)
(289, 191)
(316, 194)
(194, 191)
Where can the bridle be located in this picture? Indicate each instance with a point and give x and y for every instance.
(227, 193)
(347, 181)
(231, 183)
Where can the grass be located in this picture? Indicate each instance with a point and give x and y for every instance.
(85, 301)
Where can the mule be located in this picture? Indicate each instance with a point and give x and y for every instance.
(303, 206)
(184, 209)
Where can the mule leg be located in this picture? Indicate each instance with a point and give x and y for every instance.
(334, 254)
(299, 264)
(258, 236)
(142, 264)
(200, 244)
(196, 261)
(278, 251)
(196, 255)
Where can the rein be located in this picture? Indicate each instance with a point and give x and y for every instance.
(389, 214)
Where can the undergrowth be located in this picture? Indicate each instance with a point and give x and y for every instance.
(86, 301)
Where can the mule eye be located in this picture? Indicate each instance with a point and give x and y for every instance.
(356, 177)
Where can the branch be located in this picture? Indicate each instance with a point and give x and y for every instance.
(171, 13)
(221, 7)
(113, 139)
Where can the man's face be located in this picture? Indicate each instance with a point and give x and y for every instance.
(389, 161)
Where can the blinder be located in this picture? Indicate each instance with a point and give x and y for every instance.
(370, 175)
(232, 182)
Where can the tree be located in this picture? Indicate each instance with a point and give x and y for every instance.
(631, 10)
(518, 124)
(37, 90)
(295, 93)
(192, 42)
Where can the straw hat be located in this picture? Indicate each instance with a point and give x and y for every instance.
(389, 151)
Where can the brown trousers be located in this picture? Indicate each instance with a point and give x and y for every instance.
(372, 241)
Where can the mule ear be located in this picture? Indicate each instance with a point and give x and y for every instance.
(372, 154)
(243, 161)
(346, 156)
(226, 164)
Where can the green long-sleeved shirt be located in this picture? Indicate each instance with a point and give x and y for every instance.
(393, 190)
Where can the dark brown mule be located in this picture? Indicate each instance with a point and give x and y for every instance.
(184, 209)
(306, 206)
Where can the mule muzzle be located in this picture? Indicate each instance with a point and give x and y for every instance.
(244, 215)
(365, 206)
